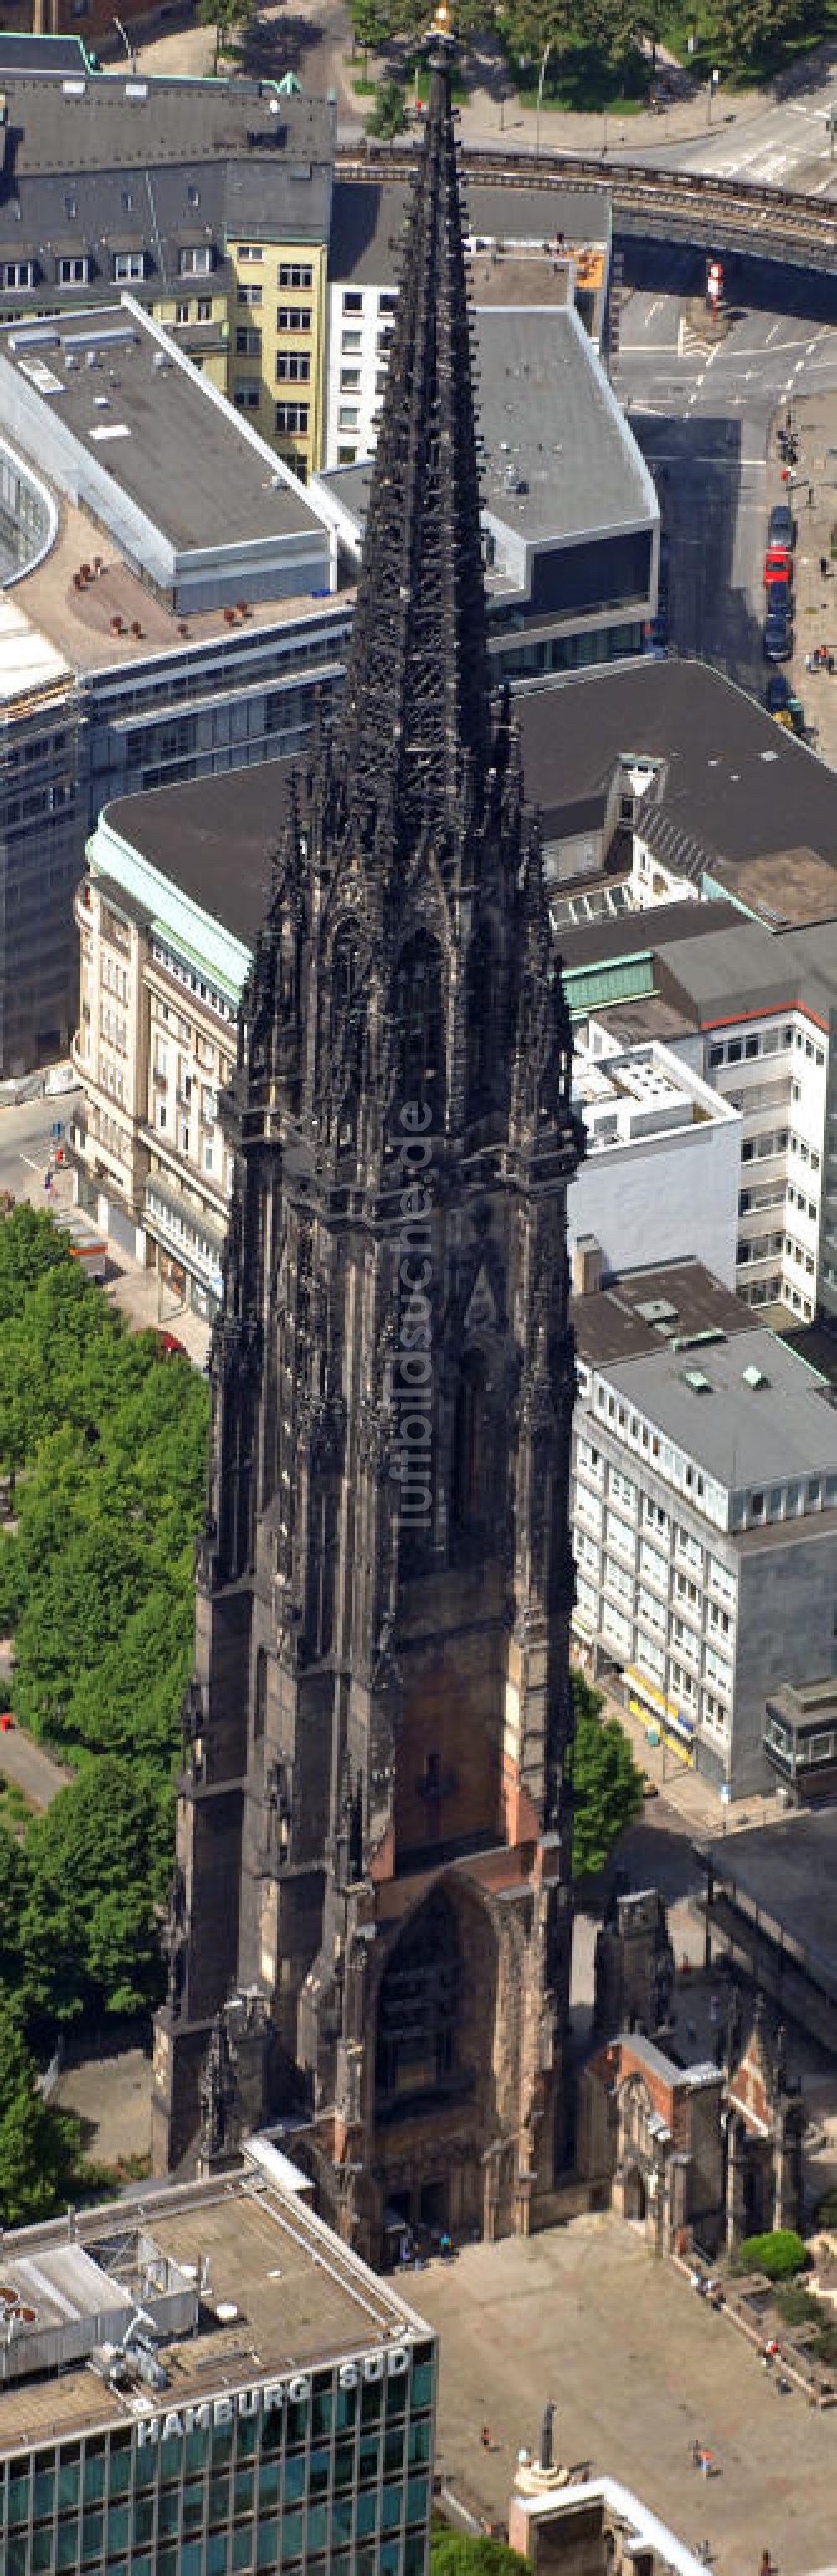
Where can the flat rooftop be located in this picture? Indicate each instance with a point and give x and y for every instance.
(189, 832)
(148, 420)
(559, 461)
(290, 2294)
(643, 1309)
(788, 1870)
(368, 218)
(29, 663)
(551, 424)
(78, 622)
(751, 1416)
(118, 120)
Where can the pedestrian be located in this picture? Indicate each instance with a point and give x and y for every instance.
(706, 2464)
(823, 567)
(810, 496)
(486, 2438)
(697, 2454)
(764, 2569)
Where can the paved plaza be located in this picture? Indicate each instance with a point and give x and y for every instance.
(637, 2367)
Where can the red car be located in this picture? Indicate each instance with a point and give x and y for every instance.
(778, 565)
(6, 1721)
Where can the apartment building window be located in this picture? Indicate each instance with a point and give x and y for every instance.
(295, 273)
(347, 417)
(351, 344)
(616, 1627)
(193, 193)
(293, 367)
(683, 1683)
(204, 308)
(388, 301)
(250, 250)
(620, 1535)
(589, 1508)
(208, 1157)
(182, 312)
(73, 271)
(686, 1590)
(717, 1671)
(652, 1611)
(352, 303)
(350, 380)
(248, 343)
(586, 1601)
(346, 455)
(70, 209)
(623, 1489)
(618, 1579)
(128, 264)
(651, 1659)
(586, 1551)
(293, 317)
(654, 1517)
(17, 272)
(715, 1714)
(249, 292)
(247, 393)
(196, 259)
(161, 1116)
(292, 419)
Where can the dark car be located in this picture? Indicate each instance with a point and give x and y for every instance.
(778, 639)
(777, 692)
(782, 528)
(780, 601)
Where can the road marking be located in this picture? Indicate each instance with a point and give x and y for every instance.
(772, 334)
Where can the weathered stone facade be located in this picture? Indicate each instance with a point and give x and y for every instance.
(373, 1885)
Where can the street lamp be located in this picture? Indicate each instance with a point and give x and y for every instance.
(546, 54)
(128, 48)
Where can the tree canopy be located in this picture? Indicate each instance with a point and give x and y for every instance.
(453, 2553)
(38, 2146)
(606, 1781)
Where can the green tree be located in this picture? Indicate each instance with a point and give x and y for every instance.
(98, 1862)
(453, 2554)
(372, 25)
(39, 2147)
(231, 21)
(606, 1781)
(389, 114)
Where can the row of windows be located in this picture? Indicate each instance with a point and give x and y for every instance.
(763, 1247)
(184, 974)
(290, 272)
(353, 302)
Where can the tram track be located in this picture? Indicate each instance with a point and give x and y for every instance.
(683, 206)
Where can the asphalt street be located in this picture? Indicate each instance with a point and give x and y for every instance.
(702, 417)
(780, 143)
(26, 1141)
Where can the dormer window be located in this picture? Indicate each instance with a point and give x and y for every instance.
(196, 259)
(74, 270)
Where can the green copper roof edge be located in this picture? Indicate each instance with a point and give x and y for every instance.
(174, 915)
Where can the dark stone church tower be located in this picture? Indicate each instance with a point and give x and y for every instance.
(370, 1921)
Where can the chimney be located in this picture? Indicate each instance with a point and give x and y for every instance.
(586, 1266)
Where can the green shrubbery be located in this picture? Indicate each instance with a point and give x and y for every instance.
(778, 2255)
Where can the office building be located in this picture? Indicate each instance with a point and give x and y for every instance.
(704, 1514)
(570, 516)
(205, 2381)
(191, 616)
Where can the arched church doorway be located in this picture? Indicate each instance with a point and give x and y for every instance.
(636, 2196)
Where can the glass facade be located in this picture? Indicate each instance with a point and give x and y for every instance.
(330, 2471)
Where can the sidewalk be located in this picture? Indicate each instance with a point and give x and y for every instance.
(137, 1292)
(693, 1798)
(815, 420)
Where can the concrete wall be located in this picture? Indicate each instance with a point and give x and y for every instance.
(786, 1618)
(662, 1198)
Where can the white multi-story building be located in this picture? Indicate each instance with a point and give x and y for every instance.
(661, 1175)
(704, 1509)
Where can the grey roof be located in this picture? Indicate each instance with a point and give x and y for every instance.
(158, 434)
(45, 55)
(559, 461)
(368, 216)
(669, 2069)
(743, 1435)
(788, 1871)
(126, 161)
(552, 425)
(734, 780)
(615, 1323)
(214, 838)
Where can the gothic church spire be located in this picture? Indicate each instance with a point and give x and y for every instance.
(415, 727)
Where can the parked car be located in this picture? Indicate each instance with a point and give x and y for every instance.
(778, 637)
(777, 692)
(779, 601)
(6, 1721)
(778, 566)
(782, 528)
(170, 1345)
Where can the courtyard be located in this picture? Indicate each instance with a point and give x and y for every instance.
(637, 2368)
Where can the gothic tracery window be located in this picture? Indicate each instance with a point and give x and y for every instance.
(419, 1020)
(418, 2008)
(473, 1500)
